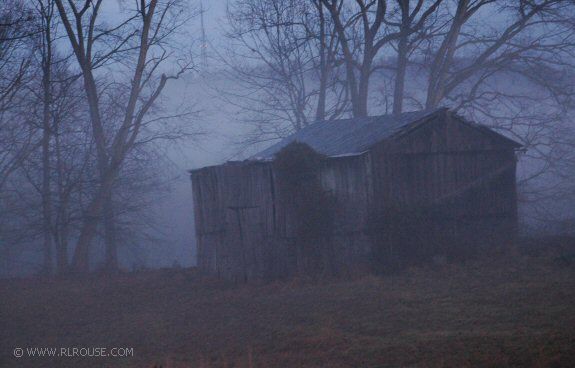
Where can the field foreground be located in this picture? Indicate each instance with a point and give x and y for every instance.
(497, 312)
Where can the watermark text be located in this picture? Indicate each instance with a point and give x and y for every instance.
(73, 352)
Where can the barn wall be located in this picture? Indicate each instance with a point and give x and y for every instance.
(245, 229)
(234, 217)
(466, 177)
(349, 179)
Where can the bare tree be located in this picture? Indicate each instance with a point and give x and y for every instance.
(283, 59)
(142, 36)
(45, 10)
(531, 33)
(15, 138)
(413, 24)
(361, 33)
(72, 162)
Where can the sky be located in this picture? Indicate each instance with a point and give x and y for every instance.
(214, 16)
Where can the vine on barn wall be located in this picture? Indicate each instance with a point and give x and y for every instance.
(310, 207)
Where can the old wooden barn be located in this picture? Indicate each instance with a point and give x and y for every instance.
(356, 193)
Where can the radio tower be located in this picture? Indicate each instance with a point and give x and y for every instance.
(204, 45)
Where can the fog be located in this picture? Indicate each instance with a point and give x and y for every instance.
(287, 183)
(244, 89)
(541, 210)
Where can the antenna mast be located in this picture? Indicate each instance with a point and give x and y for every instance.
(204, 45)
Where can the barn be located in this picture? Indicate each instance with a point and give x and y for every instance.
(349, 194)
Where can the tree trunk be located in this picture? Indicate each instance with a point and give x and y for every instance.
(444, 58)
(399, 88)
(92, 217)
(360, 106)
(111, 256)
(351, 80)
(46, 195)
(80, 262)
(46, 137)
(320, 112)
(81, 259)
(61, 223)
(402, 52)
(61, 252)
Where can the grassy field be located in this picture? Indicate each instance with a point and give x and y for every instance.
(494, 312)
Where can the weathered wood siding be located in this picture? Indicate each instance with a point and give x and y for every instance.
(243, 225)
(465, 173)
(245, 229)
(349, 179)
(233, 217)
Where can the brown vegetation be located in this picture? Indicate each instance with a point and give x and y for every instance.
(500, 311)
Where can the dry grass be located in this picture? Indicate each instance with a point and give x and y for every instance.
(498, 312)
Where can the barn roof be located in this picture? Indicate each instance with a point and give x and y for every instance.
(356, 135)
